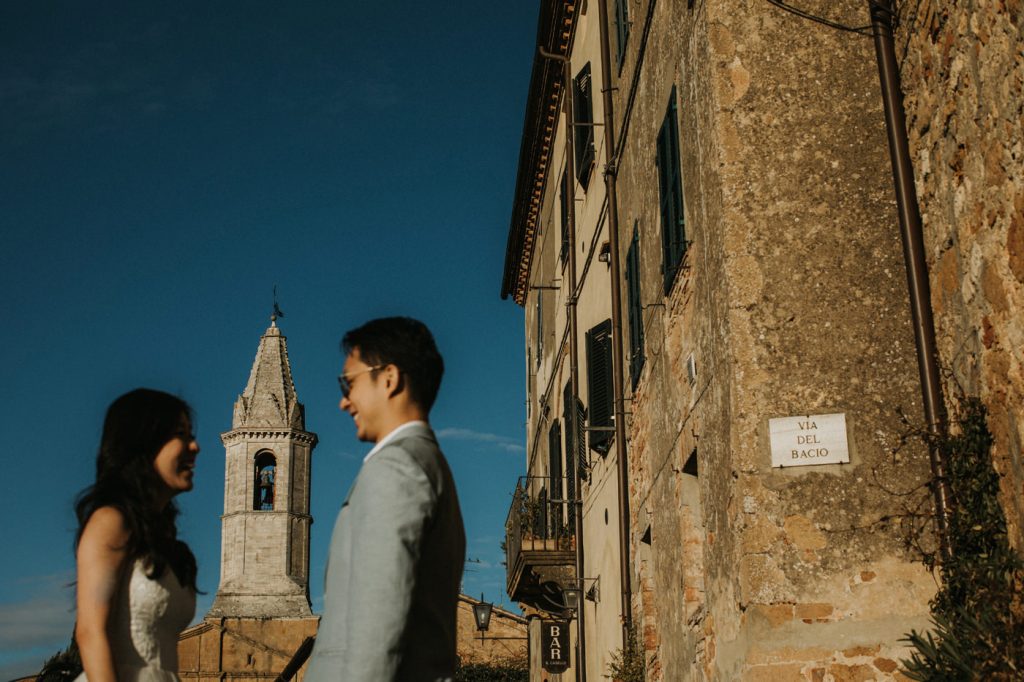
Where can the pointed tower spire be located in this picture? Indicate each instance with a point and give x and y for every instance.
(264, 568)
(269, 398)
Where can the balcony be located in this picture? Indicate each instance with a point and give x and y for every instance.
(540, 542)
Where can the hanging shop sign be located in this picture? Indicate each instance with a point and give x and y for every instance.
(554, 641)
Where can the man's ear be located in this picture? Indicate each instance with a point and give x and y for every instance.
(394, 381)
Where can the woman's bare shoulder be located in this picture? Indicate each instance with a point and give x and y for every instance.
(106, 524)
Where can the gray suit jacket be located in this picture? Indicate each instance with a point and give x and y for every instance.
(394, 569)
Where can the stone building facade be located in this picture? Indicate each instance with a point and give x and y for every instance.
(962, 71)
(761, 277)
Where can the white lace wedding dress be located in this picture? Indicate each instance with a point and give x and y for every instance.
(146, 619)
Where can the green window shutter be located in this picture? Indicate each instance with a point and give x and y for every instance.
(670, 192)
(621, 30)
(583, 135)
(599, 384)
(635, 309)
(575, 449)
(565, 196)
(540, 325)
(555, 490)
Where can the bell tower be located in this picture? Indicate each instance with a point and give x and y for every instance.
(264, 568)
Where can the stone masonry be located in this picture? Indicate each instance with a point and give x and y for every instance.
(265, 552)
(791, 301)
(962, 70)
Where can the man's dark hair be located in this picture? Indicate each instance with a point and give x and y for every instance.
(408, 345)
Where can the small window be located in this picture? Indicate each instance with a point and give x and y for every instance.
(599, 386)
(621, 30)
(583, 137)
(673, 226)
(266, 482)
(635, 309)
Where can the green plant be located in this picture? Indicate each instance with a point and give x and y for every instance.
(530, 512)
(978, 613)
(505, 670)
(628, 664)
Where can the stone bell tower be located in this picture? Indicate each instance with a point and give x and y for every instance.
(264, 569)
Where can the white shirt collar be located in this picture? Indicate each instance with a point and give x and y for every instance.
(391, 436)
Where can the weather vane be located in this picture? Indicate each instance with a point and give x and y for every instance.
(277, 311)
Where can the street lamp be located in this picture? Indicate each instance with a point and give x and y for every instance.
(571, 597)
(482, 615)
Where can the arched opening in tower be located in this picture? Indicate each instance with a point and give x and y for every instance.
(265, 470)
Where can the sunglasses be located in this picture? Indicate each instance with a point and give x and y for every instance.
(345, 381)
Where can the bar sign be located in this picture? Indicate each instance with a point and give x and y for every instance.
(554, 641)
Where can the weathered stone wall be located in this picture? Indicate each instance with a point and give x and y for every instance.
(252, 649)
(256, 649)
(792, 301)
(962, 71)
(504, 640)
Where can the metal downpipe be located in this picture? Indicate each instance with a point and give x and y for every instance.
(914, 256)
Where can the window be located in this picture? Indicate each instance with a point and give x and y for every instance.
(673, 232)
(583, 129)
(265, 478)
(565, 195)
(539, 313)
(635, 309)
(621, 30)
(599, 385)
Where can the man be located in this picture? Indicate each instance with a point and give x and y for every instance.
(398, 547)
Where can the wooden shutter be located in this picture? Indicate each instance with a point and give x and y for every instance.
(621, 30)
(575, 448)
(635, 309)
(583, 135)
(599, 384)
(565, 196)
(555, 488)
(670, 190)
(540, 325)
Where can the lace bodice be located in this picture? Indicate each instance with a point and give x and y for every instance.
(145, 621)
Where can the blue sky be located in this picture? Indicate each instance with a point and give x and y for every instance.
(162, 166)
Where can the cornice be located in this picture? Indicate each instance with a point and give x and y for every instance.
(265, 512)
(268, 434)
(555, 31)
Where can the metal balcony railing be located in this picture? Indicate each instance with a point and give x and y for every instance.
(539, 520)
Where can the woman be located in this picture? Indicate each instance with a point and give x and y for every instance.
(136, 580)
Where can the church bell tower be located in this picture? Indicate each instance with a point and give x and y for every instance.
(264, 569)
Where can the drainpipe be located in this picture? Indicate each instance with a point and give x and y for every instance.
(882, 13)
(618, 388)
(574, 359)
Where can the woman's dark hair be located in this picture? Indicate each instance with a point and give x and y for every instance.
(405, 343)
(137, 426)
